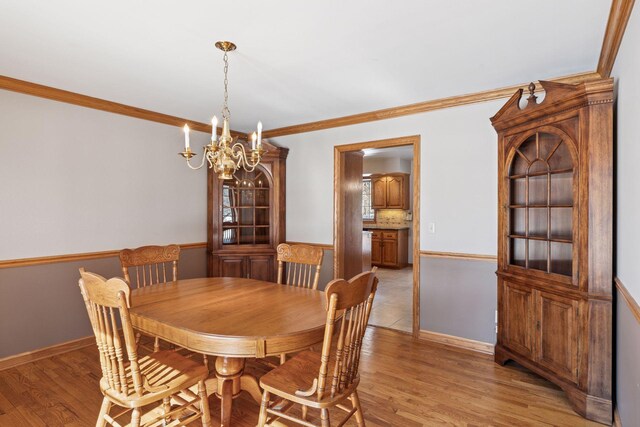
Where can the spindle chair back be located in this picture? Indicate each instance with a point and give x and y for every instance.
(131, 381)
(331, 377)
(148, 265)
(299, 265)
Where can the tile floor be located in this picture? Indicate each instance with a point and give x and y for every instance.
(392, 306)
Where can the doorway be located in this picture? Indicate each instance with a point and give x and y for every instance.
(386, 230)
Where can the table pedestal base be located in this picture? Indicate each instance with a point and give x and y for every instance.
(230, 380)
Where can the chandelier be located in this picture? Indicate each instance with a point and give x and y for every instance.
(225, 155)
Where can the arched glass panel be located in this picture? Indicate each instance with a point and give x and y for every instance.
(541, 204)
(246, 208)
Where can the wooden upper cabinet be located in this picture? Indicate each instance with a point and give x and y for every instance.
(555, 277)
(379, 186)
(391, 191)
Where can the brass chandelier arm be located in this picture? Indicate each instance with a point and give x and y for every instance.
(240, 153)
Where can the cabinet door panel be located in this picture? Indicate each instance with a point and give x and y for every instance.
(376, 251)
(558, 335)
(518, 318)
(260, 268)
(379, 193)
(232, 266)
(389, 252)
(395, 187)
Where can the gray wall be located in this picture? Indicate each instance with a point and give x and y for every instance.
(627, 364)
(458, 297)
(326, 271)
(627, 212)
(41, 305)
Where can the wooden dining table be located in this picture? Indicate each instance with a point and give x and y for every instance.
(233, 319)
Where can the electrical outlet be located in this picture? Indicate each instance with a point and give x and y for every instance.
(432, 227)
(496, 320)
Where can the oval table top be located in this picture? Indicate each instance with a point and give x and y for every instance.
(233, 317)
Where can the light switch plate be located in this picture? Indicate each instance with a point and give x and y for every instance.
(432, 228)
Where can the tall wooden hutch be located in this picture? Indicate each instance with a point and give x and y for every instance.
(555, 239)
(246, 218)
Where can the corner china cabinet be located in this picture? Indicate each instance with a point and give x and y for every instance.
(246, 218)
(555, 239)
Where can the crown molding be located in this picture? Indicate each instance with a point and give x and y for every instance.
(420, 107)
(616, 26)
(41, 91)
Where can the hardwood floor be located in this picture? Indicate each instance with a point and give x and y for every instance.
(404, 383)
(393, 305)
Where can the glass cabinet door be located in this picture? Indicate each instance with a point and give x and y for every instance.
(541, 203)
(246, 206)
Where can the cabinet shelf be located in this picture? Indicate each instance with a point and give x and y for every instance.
(246, 206)
(539, 238)
(541, 173)
(541, 206)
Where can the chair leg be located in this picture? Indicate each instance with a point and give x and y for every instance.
(135, 417)
(262, 419)
(104, 410)
(324, 417)
(206, 361)
(305, 408)
(166, 407)
(355, 400)
(204, 404)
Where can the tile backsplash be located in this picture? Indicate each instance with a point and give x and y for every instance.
(395, 217)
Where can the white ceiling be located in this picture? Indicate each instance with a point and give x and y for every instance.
(297, 61)
(404, 152)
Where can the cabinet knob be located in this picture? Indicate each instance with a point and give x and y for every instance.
(538, 325)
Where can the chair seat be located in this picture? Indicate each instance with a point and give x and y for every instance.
(166, 372)
(298, 373)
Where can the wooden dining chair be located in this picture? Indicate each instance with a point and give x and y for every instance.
(148, 264)
(133, 382)
(299, 265)
(330, 378)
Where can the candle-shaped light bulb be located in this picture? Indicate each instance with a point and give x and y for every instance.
(214, 129)
(225, 129)
(186, 137)
(259, 134)
(253, 141)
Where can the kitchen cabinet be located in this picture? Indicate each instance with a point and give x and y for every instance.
(389, 248)
(390, 191)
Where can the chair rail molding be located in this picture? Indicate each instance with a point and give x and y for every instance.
(628, 298)
(25, 262)
(458, 255)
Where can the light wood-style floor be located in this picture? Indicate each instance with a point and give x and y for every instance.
(393, 304)
(404, 383)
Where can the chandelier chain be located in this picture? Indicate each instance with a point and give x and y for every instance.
(226, 113)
